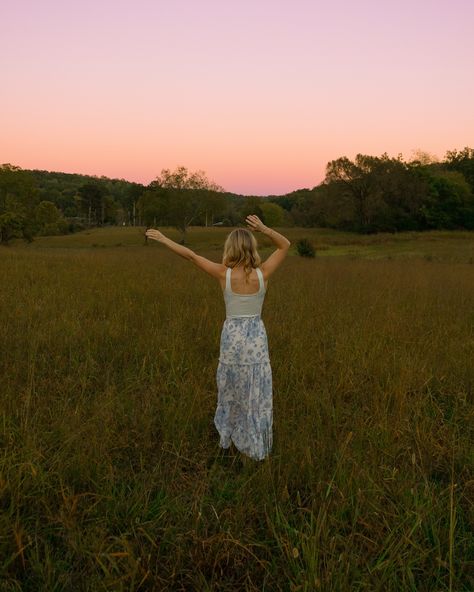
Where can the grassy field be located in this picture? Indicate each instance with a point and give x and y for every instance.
(448, 246)
(111, 477)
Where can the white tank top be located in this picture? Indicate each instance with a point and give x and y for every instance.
(243, 305)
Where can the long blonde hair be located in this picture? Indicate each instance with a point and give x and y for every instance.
(241, 247)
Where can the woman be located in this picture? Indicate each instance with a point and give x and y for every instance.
(244, 413)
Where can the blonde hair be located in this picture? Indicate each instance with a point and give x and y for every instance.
(241, 247)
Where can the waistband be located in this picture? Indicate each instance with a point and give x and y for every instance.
(242, 316)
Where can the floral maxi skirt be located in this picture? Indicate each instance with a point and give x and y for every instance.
(244, 411)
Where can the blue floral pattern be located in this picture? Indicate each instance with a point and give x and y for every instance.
(244, 411)
(244, 341)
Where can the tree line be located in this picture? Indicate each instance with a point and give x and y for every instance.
(383, 194)
(367, 194)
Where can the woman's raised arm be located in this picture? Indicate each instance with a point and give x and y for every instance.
(175, 247)
(280, 241)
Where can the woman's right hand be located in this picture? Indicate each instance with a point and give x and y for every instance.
(255, 223)
(154, 234)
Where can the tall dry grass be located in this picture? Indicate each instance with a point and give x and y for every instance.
(111, 477)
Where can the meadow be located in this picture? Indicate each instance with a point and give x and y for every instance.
(111, 477)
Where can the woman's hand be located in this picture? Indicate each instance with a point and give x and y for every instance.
(154, 234)
(255, 223)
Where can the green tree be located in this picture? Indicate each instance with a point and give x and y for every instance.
(450, 203)
(186, 196)
(48, 218)
(384, 193)
(47, 213)
(18, 198)
(215, 205)
(181, 178)
(153, 207)
(353, 180)
(133, 193)
(463, 162)
(273, 214)
(92, 197)
(324, 206)
(251, 205)
(12, 225)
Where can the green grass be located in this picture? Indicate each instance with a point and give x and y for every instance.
(447, 246)
(111, 477)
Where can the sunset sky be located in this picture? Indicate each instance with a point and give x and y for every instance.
(260, 94)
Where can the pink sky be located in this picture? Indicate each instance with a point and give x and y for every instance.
(260, 94)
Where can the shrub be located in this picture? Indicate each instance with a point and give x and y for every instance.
(76, 226)
(305, 248)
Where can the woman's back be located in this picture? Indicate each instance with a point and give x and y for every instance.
(248, 303)
(239, 283)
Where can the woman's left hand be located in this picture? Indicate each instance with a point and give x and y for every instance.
(154, 234)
